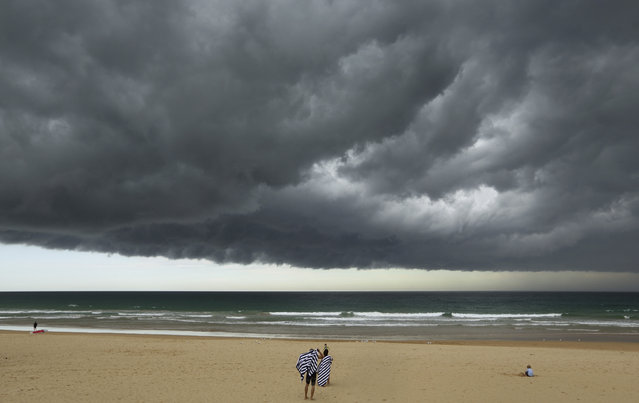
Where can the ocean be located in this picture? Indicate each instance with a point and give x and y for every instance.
(552, 316)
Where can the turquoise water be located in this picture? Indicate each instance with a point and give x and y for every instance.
(356, 315)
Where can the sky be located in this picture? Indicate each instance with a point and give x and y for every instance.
(280, 145)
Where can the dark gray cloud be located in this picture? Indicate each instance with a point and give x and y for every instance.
(459, 135)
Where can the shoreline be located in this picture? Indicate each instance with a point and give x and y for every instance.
(481, 334)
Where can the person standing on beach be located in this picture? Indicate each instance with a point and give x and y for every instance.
(307, 365)
(324, 370)
(35, 326)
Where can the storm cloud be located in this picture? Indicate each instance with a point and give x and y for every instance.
(324, 134)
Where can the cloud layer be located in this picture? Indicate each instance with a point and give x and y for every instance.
(457, 135)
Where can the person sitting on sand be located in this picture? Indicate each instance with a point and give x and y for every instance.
(528, 372)
(307, 365)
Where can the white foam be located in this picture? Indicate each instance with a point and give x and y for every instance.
(305, 313)
(497, 316)
(147, 331)
(392, 315)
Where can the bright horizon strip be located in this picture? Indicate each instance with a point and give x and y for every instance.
(29, 268)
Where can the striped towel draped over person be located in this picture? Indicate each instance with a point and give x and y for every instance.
(307, 363)
(324, 371)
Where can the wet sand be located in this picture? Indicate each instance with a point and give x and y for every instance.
(59, 367)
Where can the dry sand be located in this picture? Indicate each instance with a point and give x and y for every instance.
(56, 367)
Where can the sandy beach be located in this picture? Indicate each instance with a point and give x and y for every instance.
(59, 367)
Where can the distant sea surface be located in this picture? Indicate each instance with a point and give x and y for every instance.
(552, 316)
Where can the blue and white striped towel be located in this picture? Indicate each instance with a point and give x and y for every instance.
(307, 363)
(324, 371)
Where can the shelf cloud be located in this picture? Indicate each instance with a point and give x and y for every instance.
(429, 134)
